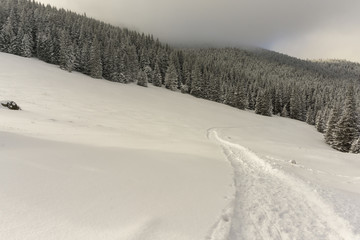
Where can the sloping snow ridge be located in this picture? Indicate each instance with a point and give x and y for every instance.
(92, 159)
(270, 204)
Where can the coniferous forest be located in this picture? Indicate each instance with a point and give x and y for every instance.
(321, 93)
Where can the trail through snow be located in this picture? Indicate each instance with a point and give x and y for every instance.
(269, 204)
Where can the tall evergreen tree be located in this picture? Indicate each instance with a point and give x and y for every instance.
(26, 46)
(45, 45)
(197, 81)
(346, 130)
(284, 112)
(310, 116)
(263, 103)
(142, 79)
(8, 35)
(149, 73)
(84, 61)
(95, 63)
(295, 107)
(319, 122)
(66, 54)
(331, 125)
(240, 97)
(355, 147)
(132, 63)
(156, 79)
(171, 78)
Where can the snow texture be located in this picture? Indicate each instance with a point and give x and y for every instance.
(92, 159)
(270, 204)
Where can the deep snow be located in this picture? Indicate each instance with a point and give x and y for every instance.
(271, 204)
(92, 159)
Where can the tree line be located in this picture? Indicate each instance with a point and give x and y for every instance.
(321, 93)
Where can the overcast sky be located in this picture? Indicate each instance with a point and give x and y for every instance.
(302, 28)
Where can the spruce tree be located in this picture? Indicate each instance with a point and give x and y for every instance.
(108, 57)
(187, 75)
(267, 103)
(240, 97)
(132, 63)
(26, 46)
(263, 103)
(66, 53)
(355, 147)
(295, 107)
(310, 116)
(95, 63)
(45, 45)
(144, 59)
(319, 122)
(142, 79)
(149, 73)
(8, 35)
(171, 78)
(84, 61)
(157, 79)
(346, 130)
(284, 112)
(197, 81)
(331, 125)
(213, 88)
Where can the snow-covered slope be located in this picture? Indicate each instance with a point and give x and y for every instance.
(92, 159)
(274, 204)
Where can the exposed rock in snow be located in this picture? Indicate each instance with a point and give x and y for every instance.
(10, 105)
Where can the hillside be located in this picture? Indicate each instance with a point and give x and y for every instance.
(256, 79)
(106, 161)
(92, 159)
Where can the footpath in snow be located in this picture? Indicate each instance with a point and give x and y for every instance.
(269, 204)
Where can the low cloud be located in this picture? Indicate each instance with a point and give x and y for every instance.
(285, 25)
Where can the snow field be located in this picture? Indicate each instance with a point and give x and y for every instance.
(92, 159)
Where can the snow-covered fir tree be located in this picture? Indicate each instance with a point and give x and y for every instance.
(149, 73)
(196, 81)
(310, 116)
(284, 112)
(171, 78)
(320, 122)
(66, 54)
(346, 130)
(331, 125)
(7, 34)
(95, 63)
(355, 146)
(26, 46)
(142, 79)
(157, 79)
(263, 103)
